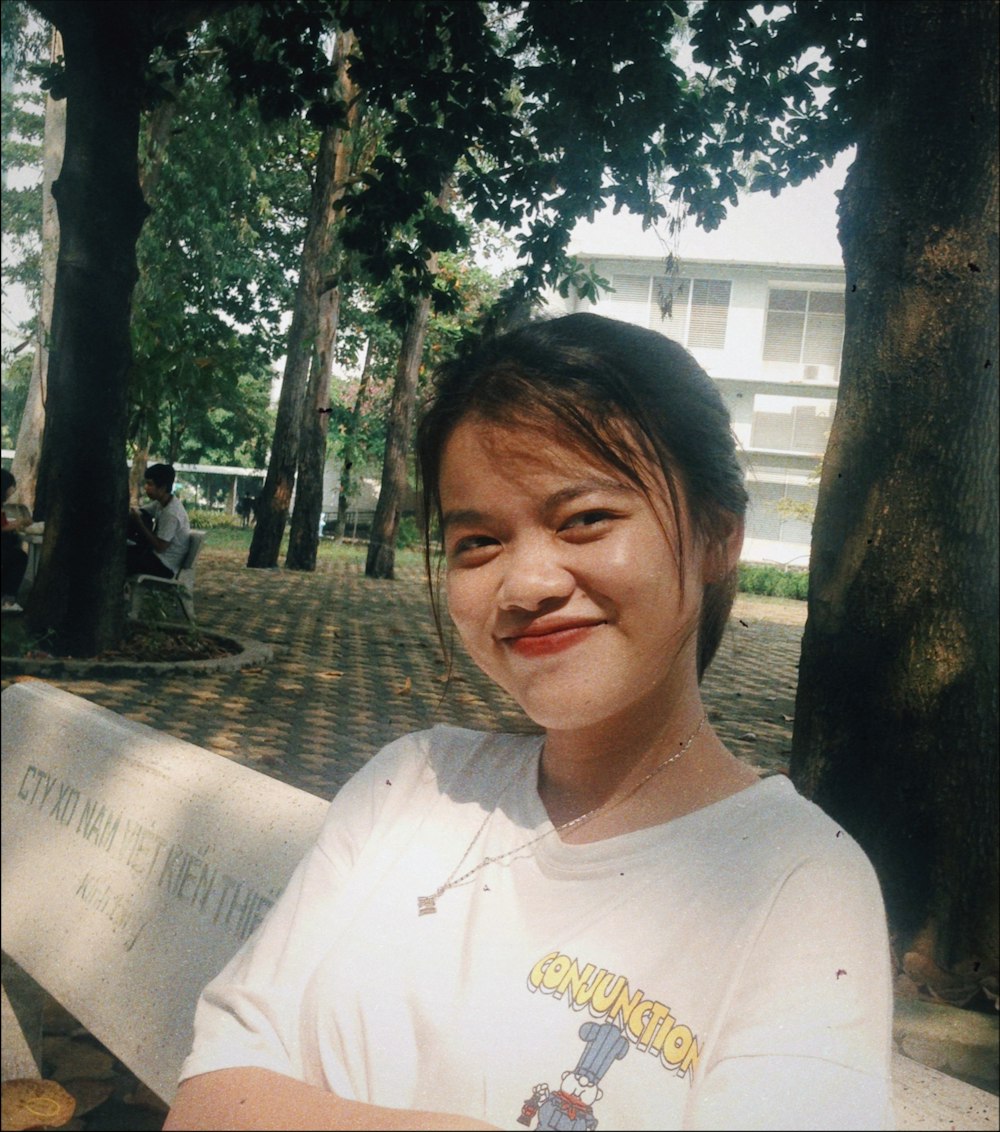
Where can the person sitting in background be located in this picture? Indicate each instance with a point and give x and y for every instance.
(246, 509)
(15, 558)
(158, 550)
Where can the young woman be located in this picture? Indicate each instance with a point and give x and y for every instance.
(616, 923)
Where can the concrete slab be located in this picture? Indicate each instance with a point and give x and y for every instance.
(961, 1043)
(925, 1099)
(134, 864)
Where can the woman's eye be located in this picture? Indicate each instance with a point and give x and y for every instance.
(587, 520)
(472, 547)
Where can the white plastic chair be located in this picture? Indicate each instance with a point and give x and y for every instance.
(182, 586)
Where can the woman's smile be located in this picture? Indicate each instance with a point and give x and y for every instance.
(546, 638)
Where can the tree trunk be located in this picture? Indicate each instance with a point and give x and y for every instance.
(381, 560)
(350, 446)
(29, 436)
(276, 496)
(82, 475)
(303, 540)
(896, 717)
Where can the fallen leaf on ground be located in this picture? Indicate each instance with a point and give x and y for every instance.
(29, 1103)
(405, 688)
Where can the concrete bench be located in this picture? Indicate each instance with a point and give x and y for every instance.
(181, 587)
(134, 864)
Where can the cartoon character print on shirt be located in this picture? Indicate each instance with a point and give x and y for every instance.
(625, 1016)
(571, 1107)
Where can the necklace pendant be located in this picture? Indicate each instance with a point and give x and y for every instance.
(426, 905)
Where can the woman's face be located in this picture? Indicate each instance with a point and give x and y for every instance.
(563, 579)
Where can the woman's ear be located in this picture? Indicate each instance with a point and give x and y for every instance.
(723, 553)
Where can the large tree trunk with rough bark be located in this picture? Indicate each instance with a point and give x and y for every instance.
(350, 446)
(82, 479)
(294, 411)
(381, 560)
(27, 455)
(896, 717)
(275, 499)
(303, 540)
(82, 488)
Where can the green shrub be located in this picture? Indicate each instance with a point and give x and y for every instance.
(203, 520)
(774, 581)
(409, 534)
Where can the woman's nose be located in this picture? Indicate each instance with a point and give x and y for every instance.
(534, 576)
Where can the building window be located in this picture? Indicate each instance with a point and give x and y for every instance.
(693, 312)
(780, 512)
(791, 424)
(709, 311)
(804, 327)
(630, 299)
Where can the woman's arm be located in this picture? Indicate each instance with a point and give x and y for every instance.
(261, 1099)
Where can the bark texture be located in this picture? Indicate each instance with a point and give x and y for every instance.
(83, 493)
(303, 540)
(896, 718)
(381, 560)
(83, 479)
(28, 452)
(275, 499)
(350, 446)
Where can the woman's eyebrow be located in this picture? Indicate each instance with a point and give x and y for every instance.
(589, 486)
(463, 517)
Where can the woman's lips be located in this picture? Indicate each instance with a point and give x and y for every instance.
(545, 642)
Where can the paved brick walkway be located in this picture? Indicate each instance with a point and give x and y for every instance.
(358, 663)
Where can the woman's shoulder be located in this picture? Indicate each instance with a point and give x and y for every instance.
(773, 821)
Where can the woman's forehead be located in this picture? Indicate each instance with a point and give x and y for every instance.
(531, 457)
(524, 447)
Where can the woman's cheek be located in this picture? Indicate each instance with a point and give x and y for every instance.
(462, 605)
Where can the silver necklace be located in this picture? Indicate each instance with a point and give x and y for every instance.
(427, 905)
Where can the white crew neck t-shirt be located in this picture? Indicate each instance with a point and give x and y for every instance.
(727, 969)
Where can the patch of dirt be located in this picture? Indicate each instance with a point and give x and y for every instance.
(162, 643)
(143, 642)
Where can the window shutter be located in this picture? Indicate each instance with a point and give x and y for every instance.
(824, 333)
(810, 429)
(763, 519)
(786, 318)
(630, 299)
(709, 312)
(674, 323)
(771, 430)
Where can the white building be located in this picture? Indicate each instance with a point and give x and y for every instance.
(770, 334)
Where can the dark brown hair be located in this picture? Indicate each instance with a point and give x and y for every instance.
(622, 393)
(162, 475)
